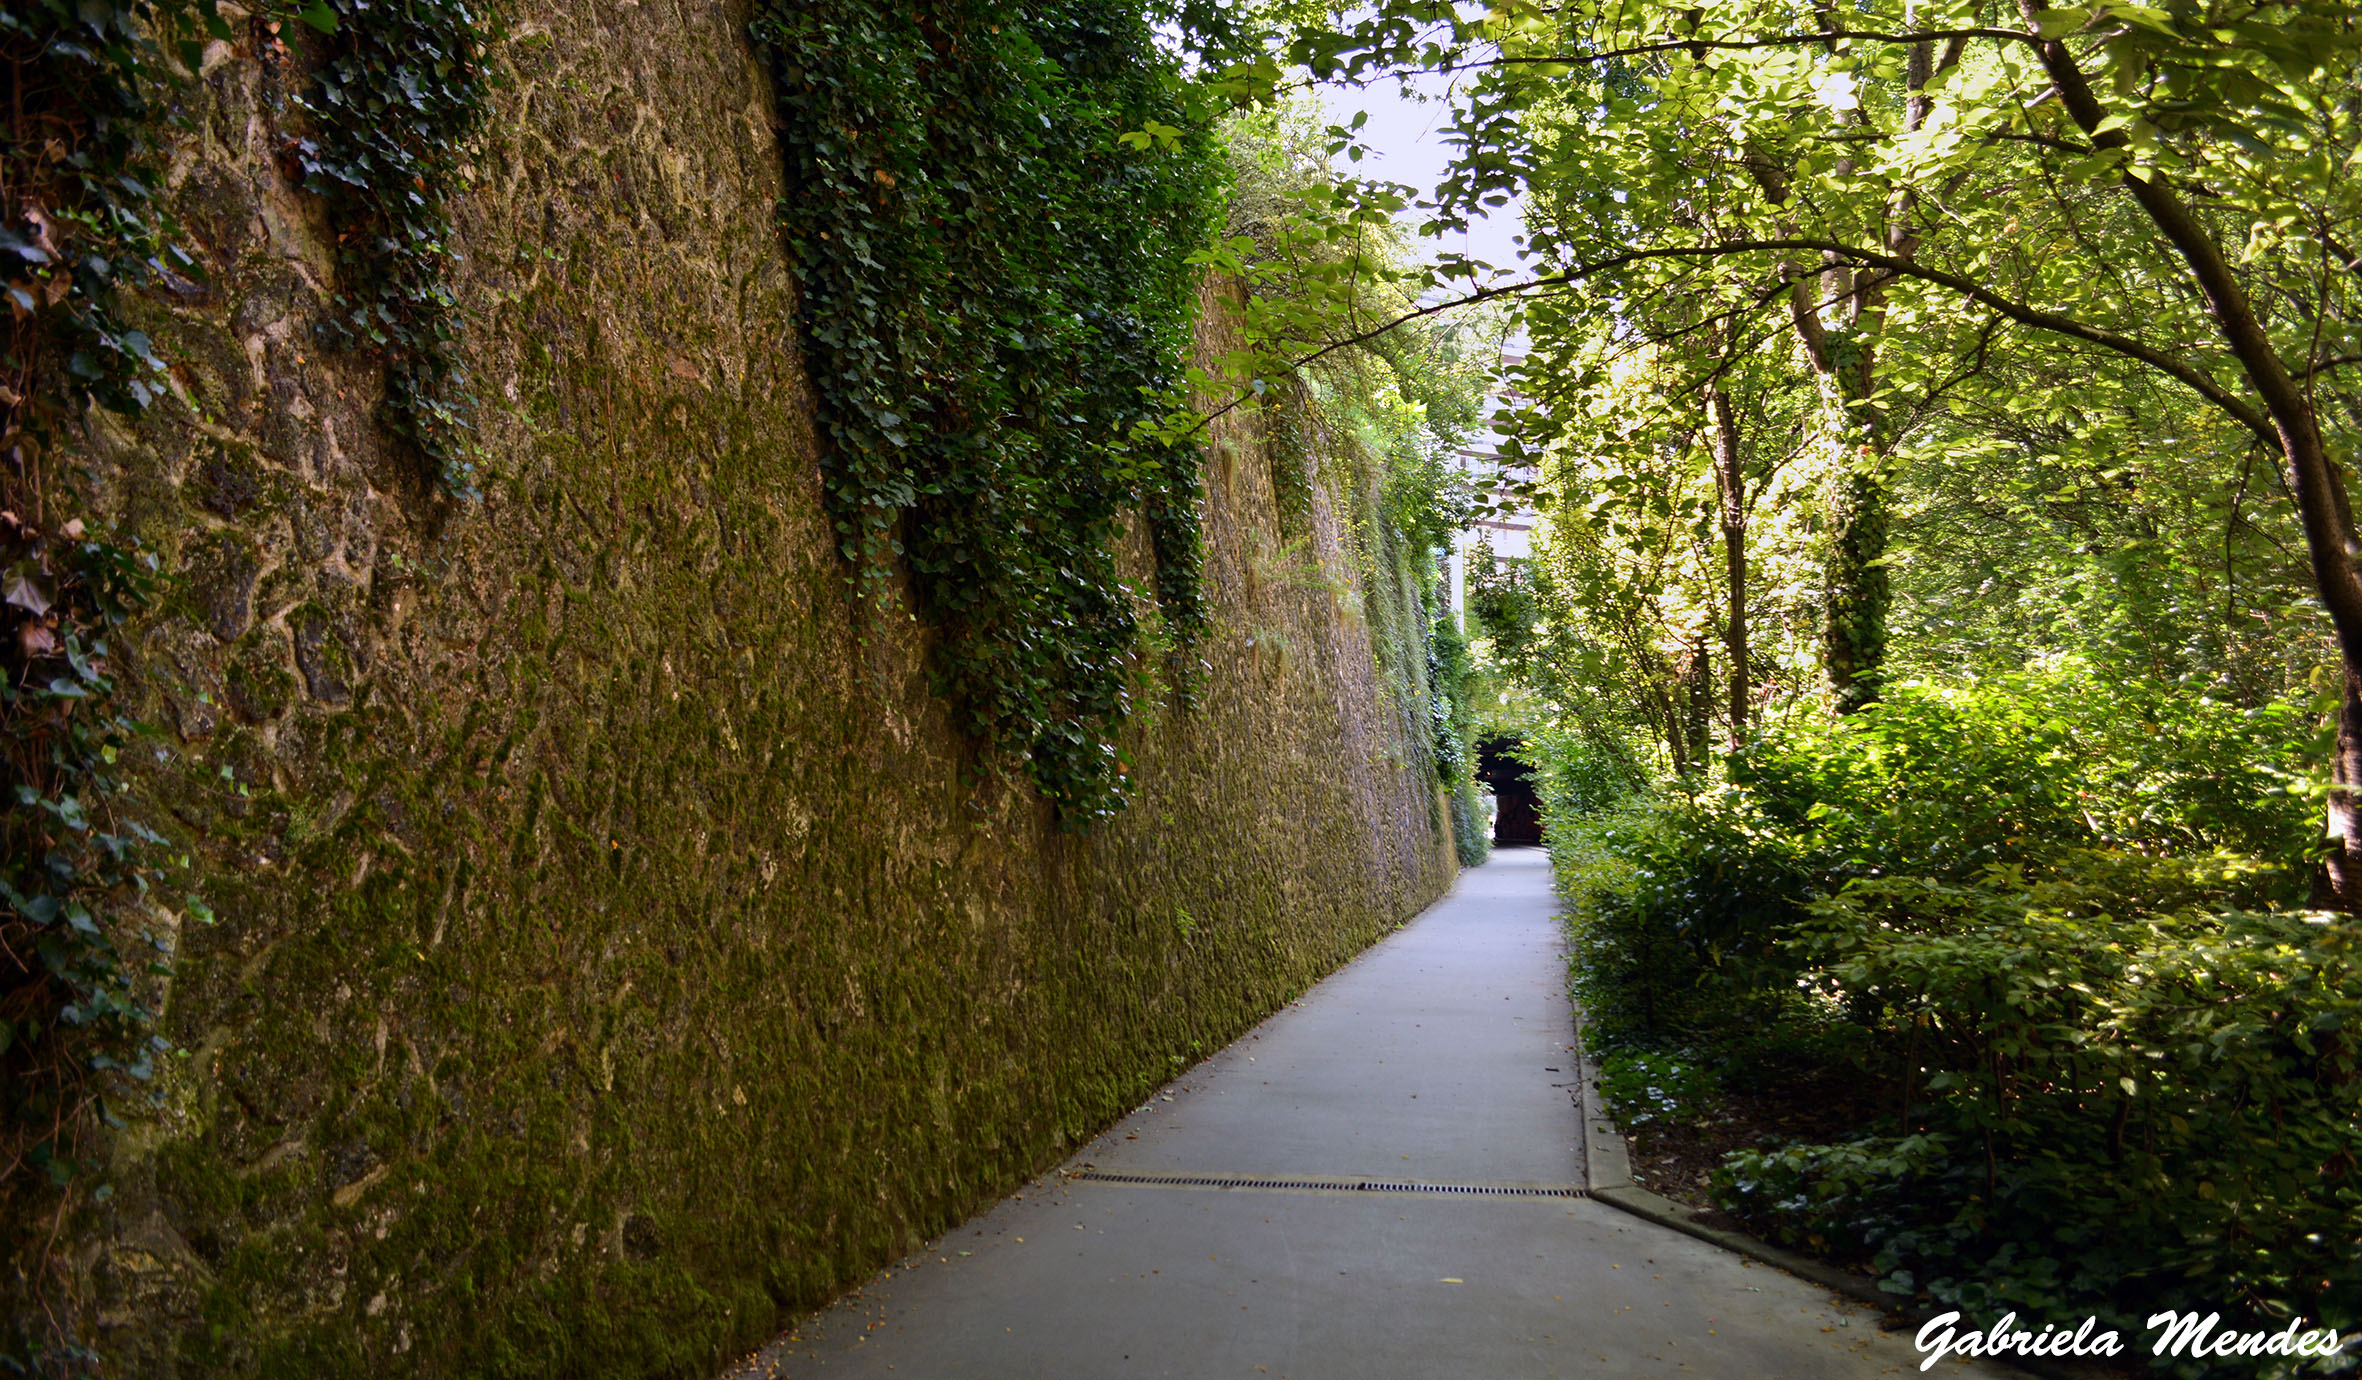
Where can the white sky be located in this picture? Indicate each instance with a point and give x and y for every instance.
(1405, 136)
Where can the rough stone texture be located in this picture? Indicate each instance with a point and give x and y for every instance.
(616, 949)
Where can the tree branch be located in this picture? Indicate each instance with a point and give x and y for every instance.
(2197, 380)
(1698, 47)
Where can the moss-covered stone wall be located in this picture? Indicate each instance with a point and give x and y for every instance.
(616, 950)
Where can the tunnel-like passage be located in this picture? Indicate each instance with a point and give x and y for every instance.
(1518, 819)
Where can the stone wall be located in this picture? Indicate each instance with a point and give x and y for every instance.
(616, 950)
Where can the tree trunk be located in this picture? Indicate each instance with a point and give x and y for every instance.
(1856, 594)
(1731, 482)
(1697, 696)
(2314, 477)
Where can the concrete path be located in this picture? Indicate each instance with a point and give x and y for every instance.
(1441, 1063)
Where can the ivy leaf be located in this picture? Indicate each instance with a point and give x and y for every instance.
(21, 587)
(320, 17)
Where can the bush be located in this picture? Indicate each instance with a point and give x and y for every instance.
(2102, 1102)
(1677, 912)
(1472, 831)
(1581, 774)
(1450, 678)
(1942, 781)
(2048, 925)
(1682, 902)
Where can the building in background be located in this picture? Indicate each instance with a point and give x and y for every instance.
(1508, 530)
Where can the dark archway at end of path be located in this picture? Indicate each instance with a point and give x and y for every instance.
(1518, 821)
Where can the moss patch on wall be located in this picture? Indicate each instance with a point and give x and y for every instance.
(617, 948)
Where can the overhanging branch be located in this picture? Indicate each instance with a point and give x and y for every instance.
(1699, 46)
(2192, 377)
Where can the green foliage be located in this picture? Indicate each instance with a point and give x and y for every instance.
(82, 217)
(2114, 1095)
(1653, 1089)
(1678, 907)
(2129, 524)
(1944, 780)
(2032, 917)
(1287, 425)
(1622, 617)
(2018, 411)
(1472, 833)
(81, 928)
(81, 865)
(395, 105)
(1450, 674)
(995, 304)
(2049, 772)
(1333, 282)
(1583, 773)
(1322, 259)
(1318, 255)
(1506, 598)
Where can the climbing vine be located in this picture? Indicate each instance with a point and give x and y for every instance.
(394, 108)
(82, 915)
(995, 297)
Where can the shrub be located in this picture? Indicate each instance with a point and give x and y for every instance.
(2103, 1103)
(1677, 910)
(2048, 925)
(1472, 834)
(1942, 781)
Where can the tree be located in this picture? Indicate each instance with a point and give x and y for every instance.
(2169, 186)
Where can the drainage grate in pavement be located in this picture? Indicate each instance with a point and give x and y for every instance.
(1510, 1190)
(1324, 1185)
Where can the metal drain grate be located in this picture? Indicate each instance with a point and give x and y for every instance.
(1337, 1185)
(1505, 1190)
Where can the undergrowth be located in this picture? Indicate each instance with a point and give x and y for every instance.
(2053, 938)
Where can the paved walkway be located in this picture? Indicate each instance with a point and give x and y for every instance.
(1441, 1059)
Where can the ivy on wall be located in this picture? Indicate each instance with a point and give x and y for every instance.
(995, 298)
(84, 900)
(394, 107)
(83, 880)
